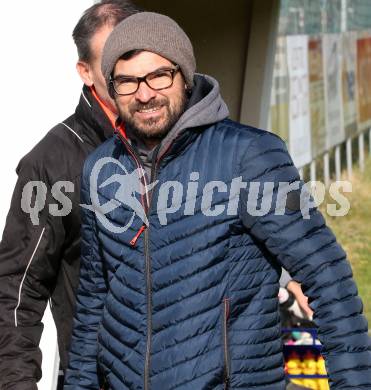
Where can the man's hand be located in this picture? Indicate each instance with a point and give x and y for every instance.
(302, 300)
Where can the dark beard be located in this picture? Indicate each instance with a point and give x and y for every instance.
(160, 134)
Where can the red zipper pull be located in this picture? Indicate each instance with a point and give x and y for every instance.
(135, 238)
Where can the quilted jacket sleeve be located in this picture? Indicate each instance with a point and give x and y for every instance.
(307, 248)
(82, 372)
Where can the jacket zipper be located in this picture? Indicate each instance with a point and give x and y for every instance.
(146, 254)
(149, 279)
(149, 310)
(226, 373)
(139, 163)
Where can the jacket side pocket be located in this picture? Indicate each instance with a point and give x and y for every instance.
(226, 368)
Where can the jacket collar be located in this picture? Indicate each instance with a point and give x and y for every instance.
(97, 126)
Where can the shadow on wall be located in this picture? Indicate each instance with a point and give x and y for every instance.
(219, 33)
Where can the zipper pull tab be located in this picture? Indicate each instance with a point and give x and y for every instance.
(135, 238)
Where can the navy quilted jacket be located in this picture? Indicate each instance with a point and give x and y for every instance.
(191, 304)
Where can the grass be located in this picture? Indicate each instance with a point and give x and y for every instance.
(353, 232)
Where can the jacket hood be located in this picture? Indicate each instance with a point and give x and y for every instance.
(205, 107)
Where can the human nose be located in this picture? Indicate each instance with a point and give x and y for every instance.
(144, 93)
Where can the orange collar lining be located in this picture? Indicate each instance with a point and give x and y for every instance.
(109, 114)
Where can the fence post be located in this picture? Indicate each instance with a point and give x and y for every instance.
(369, 142)
(349, 158)
(337, 163)
(313, 170)
(326, 168)
(361, 150)
(301, 173)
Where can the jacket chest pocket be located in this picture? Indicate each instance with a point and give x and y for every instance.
(226, 357)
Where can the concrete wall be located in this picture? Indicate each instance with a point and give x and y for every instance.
(255, 104)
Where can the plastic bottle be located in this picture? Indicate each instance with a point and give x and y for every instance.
(294, 367)
(309, 367)
(321, 370)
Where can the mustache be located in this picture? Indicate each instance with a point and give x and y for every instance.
(156, 103)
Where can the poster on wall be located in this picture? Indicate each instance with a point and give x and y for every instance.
(317, 96)
(349, 85)
(364, 82)
(335, 134)
(299, 113)
(279, 112)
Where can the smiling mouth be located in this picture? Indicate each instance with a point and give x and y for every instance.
(149, 110)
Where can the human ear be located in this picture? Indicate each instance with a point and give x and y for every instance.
(84, 71)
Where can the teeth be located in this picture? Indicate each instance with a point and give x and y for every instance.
(150, 110)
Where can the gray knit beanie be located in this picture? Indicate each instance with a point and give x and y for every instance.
(151, 32)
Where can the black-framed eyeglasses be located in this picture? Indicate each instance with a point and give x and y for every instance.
(159, 79)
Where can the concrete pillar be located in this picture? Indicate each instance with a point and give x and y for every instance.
(260, 62)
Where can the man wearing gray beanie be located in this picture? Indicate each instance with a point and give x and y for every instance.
(180, 267)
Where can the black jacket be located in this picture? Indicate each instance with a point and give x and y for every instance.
(41, 262)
